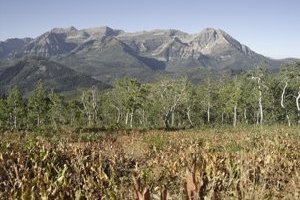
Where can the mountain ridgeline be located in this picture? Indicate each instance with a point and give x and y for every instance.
(69, 58)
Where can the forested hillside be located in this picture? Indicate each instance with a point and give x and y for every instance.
(255, 97)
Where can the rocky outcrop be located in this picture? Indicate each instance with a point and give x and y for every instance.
(106, 54)
(11, 47)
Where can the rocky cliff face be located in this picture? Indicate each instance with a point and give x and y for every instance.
(11, 47)
(59, 41)
(209, 48)
(106, 54)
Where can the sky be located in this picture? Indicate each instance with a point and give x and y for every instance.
(269, 27)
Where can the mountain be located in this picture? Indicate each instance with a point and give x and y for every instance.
(109, 58)
(105, 54)
(10, 47)
(60, 41)
(55, 76)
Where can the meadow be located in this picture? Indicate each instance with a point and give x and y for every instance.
(214, 163)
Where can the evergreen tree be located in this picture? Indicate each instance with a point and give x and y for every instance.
(229, 97)
(3, 113)
(38, 106)
(74, 113)
(56, 109)
(15, 108)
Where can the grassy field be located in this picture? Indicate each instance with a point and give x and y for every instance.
(242, 163)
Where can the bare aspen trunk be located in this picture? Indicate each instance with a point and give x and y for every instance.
(72, 119)
(208, 113)
(245, 116)
(222, 117)
(131, 118)
(288, 120)
(10, 120)
(94, 105)
(15, 122)
(261, 116)
(118, 115)
(126, 118)
(282, 95)
(260, 106)
(298, 106)
(166, 120)
(189, 116)
(38, 120)
(235, 115)
(15, 118)
(54, 124)
(282, 103)
(143, 118)
(89, 119)
(172, 118)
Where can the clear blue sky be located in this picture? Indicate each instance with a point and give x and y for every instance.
(269, 27)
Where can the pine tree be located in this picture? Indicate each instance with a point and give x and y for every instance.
(15, 108)
(38, 106)
(3, 113)
(56, 109)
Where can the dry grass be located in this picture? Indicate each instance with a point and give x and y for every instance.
(207, 164)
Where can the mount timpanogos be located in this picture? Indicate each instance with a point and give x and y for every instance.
(69, 59)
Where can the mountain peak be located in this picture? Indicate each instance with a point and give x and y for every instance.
(211, 39)
(64, 30)
(212, 31)
(101, 50)
(102, 31)
(209, 29)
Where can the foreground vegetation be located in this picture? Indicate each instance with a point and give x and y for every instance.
(240, 163)
(236, 138)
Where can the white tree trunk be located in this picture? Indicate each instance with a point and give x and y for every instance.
(90, 106)
(54, 124)
(208, 113)
(94, 105)
(166, 119)
(282, 103)
(143, 118)
(282, 94)
(235, 115)
(72, 119)
(15, 118)
(260, 106)
(89, 119)
(131, 118)
(298, 106)
(245, 116)
(189, 115)
(126, 118)
(38, 120)
(118, 115)
(288, 120)
(222, 117)
(172, 118)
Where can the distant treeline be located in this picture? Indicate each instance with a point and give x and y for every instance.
(255, 97)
